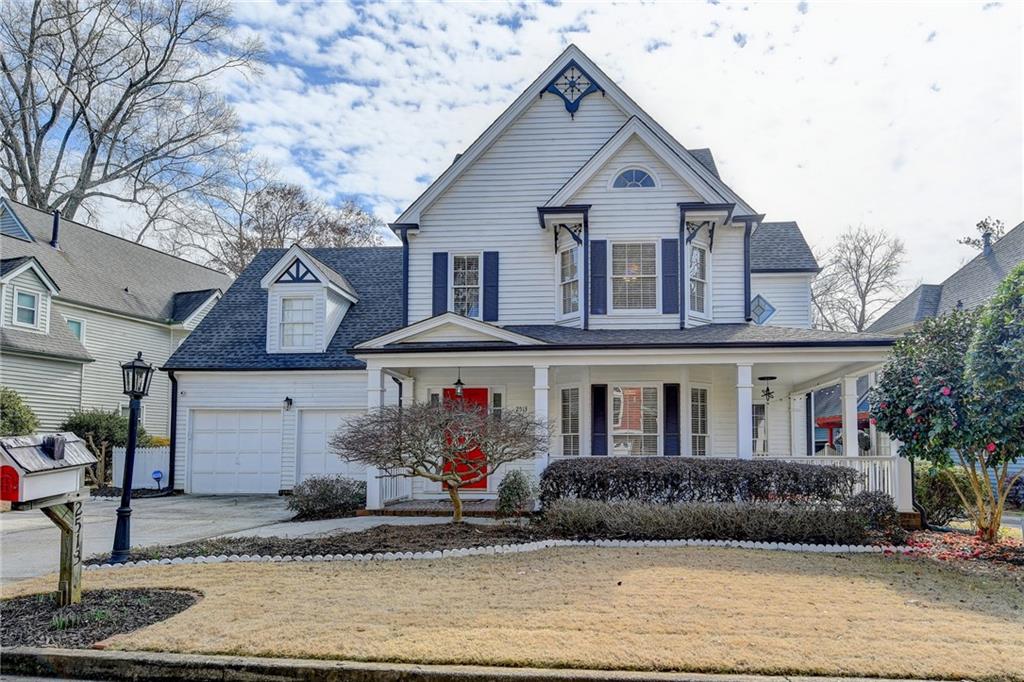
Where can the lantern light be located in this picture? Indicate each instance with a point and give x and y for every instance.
(459, 385)
(136, 375)
(768, 394)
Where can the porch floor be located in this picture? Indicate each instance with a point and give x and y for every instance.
(486, 508)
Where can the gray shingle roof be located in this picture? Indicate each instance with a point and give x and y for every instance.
(707, 159)
(336, 278)
(972, 285)
(59, 343)
(706, 336)
(780, 247)
(102, 270)
(232, 336)
(9, 264)
(187, 302)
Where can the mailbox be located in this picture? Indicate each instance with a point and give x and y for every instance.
(42, 466)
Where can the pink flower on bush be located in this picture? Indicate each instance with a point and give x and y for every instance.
(884, 405)
(910, 411)
(991, 447)
(946, 390)
(874, 421)
(917, 380)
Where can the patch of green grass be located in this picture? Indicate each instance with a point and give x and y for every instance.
(66, 621)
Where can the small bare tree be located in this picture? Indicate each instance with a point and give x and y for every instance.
(859, 280)
(456, 444)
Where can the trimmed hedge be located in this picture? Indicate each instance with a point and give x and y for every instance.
(757, 522)
(934, 490)
(678, 480)
(327, 497)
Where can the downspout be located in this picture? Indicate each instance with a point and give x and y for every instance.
(683, 274)
(173, 430)
(746, 271)
(405, 277)
(586, 269)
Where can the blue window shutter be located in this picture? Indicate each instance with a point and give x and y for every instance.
(440, 283)
(672, 439)
(599, 419)
(670, 276)
(598, 277)
(490, 286)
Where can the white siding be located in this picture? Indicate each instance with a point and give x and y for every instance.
(789, 293)
(493, 206)
(727, 284)
(50, 387)
(337, 306)
(28, 282)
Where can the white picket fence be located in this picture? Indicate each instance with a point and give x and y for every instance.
(147, 460)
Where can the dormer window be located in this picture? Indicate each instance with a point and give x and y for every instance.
(26, 308)
(297, 329)
(632, 178)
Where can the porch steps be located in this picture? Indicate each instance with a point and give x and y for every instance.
(910, 520)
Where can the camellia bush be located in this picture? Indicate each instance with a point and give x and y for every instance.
(456, 443)
(953, 393)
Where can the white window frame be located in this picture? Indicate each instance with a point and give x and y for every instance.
(656, 310)
(81, 324)
(124, 410)
(708, 451)
(559, 284)
(633, 166)
(706, 313)
(479, 285)
(755, 439)
(579, 420)
(659, 394)
(37, 297)
(281, 323)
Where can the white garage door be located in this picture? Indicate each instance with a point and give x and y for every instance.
(316, 428)
(236, 451)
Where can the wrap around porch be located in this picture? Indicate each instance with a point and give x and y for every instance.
(654, 404)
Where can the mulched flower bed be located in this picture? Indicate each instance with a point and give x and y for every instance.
(137, 493)
(424, 538)
(36, 620)
(963, 551)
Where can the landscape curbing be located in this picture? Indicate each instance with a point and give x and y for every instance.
(513, 549)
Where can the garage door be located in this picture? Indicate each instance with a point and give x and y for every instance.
(235, 451)
(316, 428)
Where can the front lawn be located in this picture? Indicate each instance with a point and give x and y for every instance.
(695, 609)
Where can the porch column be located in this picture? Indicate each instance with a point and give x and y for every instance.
(408, 391)
(374, 400)
(876, 444)
(848, 387)
(540, 412)
(797, 425)
(744, 412)
(904, 483)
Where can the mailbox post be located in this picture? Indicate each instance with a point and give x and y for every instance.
(46, 472)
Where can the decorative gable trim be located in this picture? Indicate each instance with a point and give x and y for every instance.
(474, 328)
(32, 264)
(610, 90)
(297, 266)
(297, 272)
(634, 127)
(572, 85)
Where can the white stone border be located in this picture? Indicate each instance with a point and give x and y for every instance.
(515, 549)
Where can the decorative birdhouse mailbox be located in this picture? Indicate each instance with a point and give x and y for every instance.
(47, 472)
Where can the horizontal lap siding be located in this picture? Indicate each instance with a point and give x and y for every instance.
(267, 391)
(624, 214)
(493, 206)
(727, 267)
(51, 388)
(791, 296)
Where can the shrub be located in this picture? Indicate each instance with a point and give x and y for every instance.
(685, 480)
(936, 491)
(515, 493)
(878, 513)
(1016, 495)
(16, 417)
(327, 497)
(102, 431)
(591, 519)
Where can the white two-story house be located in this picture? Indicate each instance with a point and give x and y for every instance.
(576, 260)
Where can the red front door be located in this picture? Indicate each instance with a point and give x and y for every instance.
(473, 396)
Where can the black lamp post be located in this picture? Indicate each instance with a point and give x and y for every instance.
(136, 375)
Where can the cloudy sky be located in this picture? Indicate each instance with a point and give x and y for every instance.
(904, 116)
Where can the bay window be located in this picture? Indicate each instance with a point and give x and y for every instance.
(698, 272)
(297, 323)
(634, 276)
(635, 423)
(569, 280)
(466, 285)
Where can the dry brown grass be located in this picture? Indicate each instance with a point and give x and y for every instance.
(665, 609)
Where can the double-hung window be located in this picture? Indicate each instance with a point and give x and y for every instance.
(570, 421)
(26, 308)
(634, 276)
(297, 323)
(569, 280)
(466, 285)
(698, 279)
(760, 429)
(698, 421)
(77, 327)
(635, 420)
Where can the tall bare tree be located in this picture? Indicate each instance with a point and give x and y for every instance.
(859, 280)
(251, 211)
(993, 227)
(114, 99)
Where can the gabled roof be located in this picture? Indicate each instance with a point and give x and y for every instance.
(707, 159)
(970, 286)
(780, 247)
(456, 328)
(322, 271)
(188, 302)
(634, 127)
(10, 225)
(59, 343)
(233, 335)
(520, 105)
(100, 270)
(12, 267)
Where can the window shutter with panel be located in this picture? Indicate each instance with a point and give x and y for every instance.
(599, 419)
(672, 420)
(490, 286)
(440, 283)
(670, 276)
(598, 277)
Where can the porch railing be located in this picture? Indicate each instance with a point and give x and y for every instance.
(878, 474)
(394, 488)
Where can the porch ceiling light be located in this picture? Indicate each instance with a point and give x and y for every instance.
(768, 394)
(459, 385)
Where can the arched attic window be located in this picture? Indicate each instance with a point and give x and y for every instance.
(633, 177)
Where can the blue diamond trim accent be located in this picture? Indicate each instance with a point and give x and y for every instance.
(572, 84)
(761, 310)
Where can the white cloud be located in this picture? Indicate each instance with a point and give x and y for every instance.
(832, 114)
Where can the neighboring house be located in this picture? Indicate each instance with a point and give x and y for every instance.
(576, 261)
(77, 302)
(970, 286)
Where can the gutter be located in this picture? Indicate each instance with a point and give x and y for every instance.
(630, 346)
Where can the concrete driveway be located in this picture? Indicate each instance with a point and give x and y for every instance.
(30, 543)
